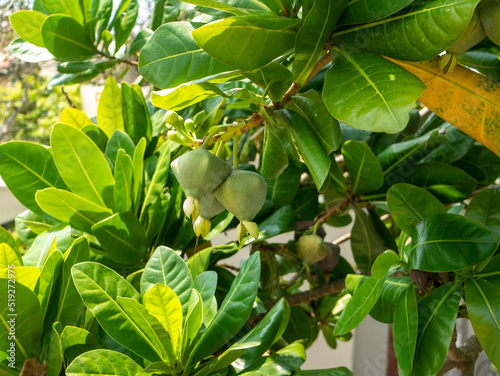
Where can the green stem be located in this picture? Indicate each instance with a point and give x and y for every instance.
(211, 135)
(235, 152)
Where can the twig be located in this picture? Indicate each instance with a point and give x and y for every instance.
(316, 293)
(230, 267)
(129, 62)
(328, 213)
(342, 239)
(68, 99)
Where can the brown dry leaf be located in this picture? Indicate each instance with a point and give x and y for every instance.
(32, 367)
(468, 100)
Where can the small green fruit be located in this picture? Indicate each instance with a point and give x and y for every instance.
(490, 18)
(243, 193)
(199, 172)
(201, 226)
(209, 208)
(191, 208)
(312, 248)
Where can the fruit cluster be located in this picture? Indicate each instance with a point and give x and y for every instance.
(212, 186)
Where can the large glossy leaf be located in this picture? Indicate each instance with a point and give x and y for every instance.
(25, 275)
(27, 318)
(82, 165)
(70, 305)
(238, 41)
(437, 314)
(399, 160)
(409, 205)
(484, 61)
(184, 95)
(491, 272)
(66, 7)
(76, 340)
(383, 263)
(192, 324)
(109, 108)
(485, 208)
(124, 188)
(65, 38)
(366, 244)
(282, 189)
(9, 257)
(370, 10)
(123, 238)
(421, 31)
(447, 242)
(317, 26)
(269, 330)
(165, 266)
(338, 371)
(310, 148)
(138, 173)
(394, 287)
(136, 119)
(171, 57)
(327, 129)
(162, 302)
(232, 313)
(125, 22)
(483, 306)
(103, 362)
(28, 25)
(456, 146)
(27, 167)
(464, 98)
(119, 140)
(48, 283)
(448, 183)
(73, 209)
(55, 354)
(405, 328)
(100, 288)
(274, 156)
(150, 326)
(58, 237)
(273, 75)
(364, 91)
(364, 168)
(361, 303)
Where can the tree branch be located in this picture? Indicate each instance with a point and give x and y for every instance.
(463, 357)
(316, 293)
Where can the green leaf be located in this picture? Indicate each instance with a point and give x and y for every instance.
(123, 238)
(282, 189)
(372, 86)
(171, 57)
(65, 38)
(29, 52)
(483, 306)
(75, 117)
(448, 183)
(162, 302)
(310, 148)
(358, 12)
(279, 222)
(103, 362)
(233, 312)
(138, 173)
(125, 22)
(485, 208)
(269, 330)
(74, 340)
(66, 7)
(361, 303)
(457, 144)
(48, 283)
(409, 205)
(483, 61)
(55, 353)
(184, 95)
(405, 328)
(139, 41)
(149, 326)
(437, 314)
(394, 287)
(398, 160)
(109, 108)
(326, 128)
(25, 275)
(491, 272)
(166, 267)
(316, 29)
(70, 305)
(68, 207)
(447, 242)
(28, 25)
(58, 237)
(28, 321)
(421, 31)
(27, 221)
(237, 7)
(273, 75)
(364, 168)
(274, 156)
(238, 41)
(82, 165)
(124, 188)
(135, 113)
(383, 263)
(9, 257)
(26, 168)
(119, 140)
(100, 288)
(192, 324)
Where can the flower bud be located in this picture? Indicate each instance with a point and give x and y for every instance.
(191, 208)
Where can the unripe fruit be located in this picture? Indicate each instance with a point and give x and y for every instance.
(201, 226)
(199, 172)
(209, 207)
(243, 193)
(489, 13)
(312, 248)
(172, 118)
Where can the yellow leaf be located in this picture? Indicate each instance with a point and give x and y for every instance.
(463, 98)
(75, 118)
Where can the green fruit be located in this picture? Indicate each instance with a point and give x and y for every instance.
(209, 208)
(312, 248)
(473, 34)
(489, 13)
(199, 172)
(243, 193)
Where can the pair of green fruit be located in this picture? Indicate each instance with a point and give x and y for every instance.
(211, 186)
